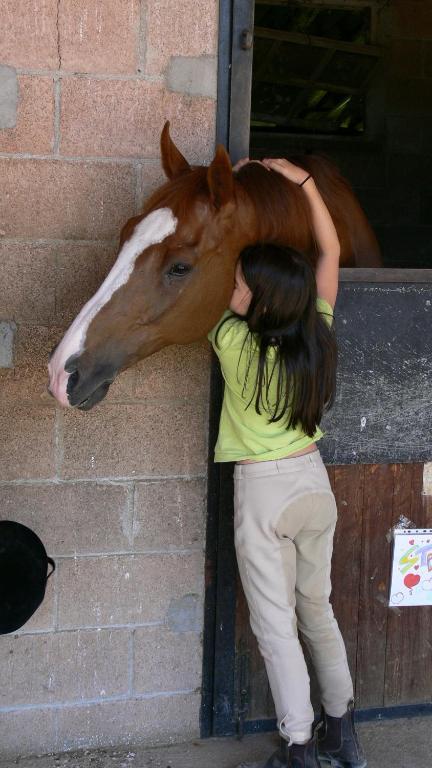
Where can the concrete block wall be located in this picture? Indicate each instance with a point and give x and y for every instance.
(114, 654)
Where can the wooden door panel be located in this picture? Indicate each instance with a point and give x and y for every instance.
(375, 567)
(348, 486)
(389, 649)
(408, 672)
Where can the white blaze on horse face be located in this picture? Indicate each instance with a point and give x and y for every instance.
(149, 231)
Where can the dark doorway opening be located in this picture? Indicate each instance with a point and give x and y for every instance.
(311, 68)
(384, 151)
(352, 80)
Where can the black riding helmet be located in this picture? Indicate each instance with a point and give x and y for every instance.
(23, 574)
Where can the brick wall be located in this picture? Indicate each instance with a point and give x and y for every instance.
(117, 495)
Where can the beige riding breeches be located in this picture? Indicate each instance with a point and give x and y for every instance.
(285, 516)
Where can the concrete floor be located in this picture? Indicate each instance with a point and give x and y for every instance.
(390, 744)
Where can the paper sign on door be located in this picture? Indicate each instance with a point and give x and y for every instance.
(411, 582)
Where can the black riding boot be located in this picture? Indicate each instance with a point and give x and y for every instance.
(338, 743)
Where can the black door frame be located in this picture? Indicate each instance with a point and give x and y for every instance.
(219, 696)
(217, 708)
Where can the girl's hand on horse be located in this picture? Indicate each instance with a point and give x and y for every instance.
(327, 267)
(292, 172)
(244, 161)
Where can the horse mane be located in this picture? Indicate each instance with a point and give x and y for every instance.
(280, 209)
(281, 215)
(277, 203)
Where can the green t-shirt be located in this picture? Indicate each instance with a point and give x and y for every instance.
(244, 433)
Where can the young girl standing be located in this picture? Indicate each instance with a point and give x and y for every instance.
(277, 352)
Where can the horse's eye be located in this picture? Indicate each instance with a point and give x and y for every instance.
(179, 270)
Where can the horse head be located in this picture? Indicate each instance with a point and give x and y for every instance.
(172, 279)
(174, 274)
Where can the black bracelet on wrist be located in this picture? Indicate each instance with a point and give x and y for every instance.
(305, 180)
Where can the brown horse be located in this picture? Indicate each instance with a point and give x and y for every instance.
(174, 274)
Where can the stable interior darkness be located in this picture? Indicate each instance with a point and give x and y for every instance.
(352, 84)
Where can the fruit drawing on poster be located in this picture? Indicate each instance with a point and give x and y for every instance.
(411, 582)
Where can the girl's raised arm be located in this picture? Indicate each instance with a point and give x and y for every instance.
(327, 269)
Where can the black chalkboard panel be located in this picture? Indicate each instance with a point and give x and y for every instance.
(383, 408)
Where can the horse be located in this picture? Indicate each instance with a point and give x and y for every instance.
(174, 273)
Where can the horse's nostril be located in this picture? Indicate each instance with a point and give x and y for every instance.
(72, 382)
(71, 364)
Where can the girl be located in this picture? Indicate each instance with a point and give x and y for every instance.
(278, 357)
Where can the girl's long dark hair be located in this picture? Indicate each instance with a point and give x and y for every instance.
(283, 314)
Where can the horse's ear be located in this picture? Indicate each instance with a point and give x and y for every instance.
(220, 178)
(173, 161)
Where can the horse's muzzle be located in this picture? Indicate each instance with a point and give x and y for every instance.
(85, 389)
